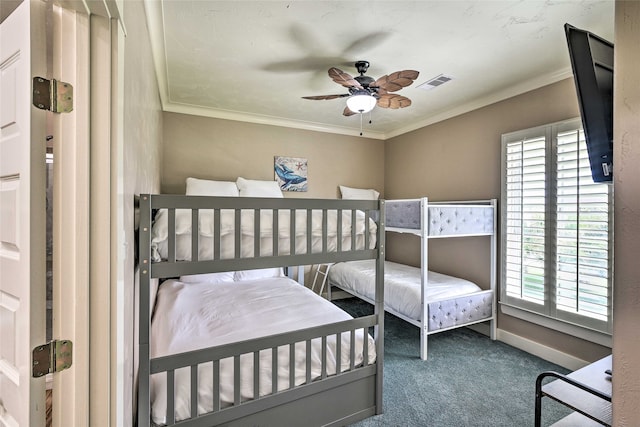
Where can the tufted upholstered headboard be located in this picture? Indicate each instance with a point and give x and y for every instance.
(444, 218)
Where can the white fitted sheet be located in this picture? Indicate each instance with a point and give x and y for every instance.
(401, 284)
(191, 316)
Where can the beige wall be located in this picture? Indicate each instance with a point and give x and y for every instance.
(459, 159)
(210, 148)
(138, 171)
(626, 156)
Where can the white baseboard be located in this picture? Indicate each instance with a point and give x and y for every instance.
(542, 351)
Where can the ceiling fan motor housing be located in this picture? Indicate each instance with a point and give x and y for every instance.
(362, 66)
(365, 81)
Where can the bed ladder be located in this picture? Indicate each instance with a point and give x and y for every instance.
(321, 270)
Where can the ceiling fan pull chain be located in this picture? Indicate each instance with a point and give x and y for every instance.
(360, 124)
(370, 114)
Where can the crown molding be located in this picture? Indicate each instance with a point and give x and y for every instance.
(484, 101)
(195, 110)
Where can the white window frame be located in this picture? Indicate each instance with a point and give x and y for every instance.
(546, 314)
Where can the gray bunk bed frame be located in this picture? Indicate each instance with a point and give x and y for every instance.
(413, 216)
(329, 400)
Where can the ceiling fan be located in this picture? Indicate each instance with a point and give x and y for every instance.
(365, 92)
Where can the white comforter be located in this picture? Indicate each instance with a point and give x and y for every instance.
(401, 284)
(191, 316)
(207, 233)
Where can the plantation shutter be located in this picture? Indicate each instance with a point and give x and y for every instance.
(556, 227)
(583, 234)
(526, 222)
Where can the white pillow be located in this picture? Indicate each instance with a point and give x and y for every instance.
(222, 277)
(358, 193)
(206, 187)
(255, 188)
(262, 273)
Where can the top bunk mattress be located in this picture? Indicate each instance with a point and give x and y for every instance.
(402, 284)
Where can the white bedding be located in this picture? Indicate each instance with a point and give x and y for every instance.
(207, 233)
(190, 316)
(401, 284)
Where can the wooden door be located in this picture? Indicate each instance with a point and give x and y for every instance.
(22, 215)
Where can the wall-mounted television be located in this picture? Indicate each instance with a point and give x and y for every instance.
(592, 63)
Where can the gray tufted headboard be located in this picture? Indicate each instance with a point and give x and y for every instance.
(444, 219)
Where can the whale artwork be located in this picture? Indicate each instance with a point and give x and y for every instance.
(291, 173)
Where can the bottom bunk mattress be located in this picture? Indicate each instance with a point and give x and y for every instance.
(402, 284)
(191, 316)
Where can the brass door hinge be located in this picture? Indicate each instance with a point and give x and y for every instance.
(52, 95)
(52, 357)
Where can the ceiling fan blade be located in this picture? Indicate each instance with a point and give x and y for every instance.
(396, 81)
(343, 78)
(393, 101)
(318, 97)
(365, 44)
(347, 112)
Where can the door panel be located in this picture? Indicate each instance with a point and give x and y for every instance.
(22, 219)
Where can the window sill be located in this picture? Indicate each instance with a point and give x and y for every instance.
(587, 334)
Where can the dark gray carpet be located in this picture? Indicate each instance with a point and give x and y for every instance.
(468, 380)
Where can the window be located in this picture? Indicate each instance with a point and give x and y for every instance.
(557, 233)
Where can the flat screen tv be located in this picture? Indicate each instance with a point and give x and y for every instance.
(592, 63)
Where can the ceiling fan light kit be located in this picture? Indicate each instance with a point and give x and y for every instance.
(365, 92)
(361, 102)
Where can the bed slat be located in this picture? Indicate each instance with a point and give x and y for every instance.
(216, 234)
(194, 391)
(308, 360)
(339, 231)
(276, 235)
(216, 385)
(171, 241)
(292, 365)
(238, 233)
(323, 371)
(324, 230)
(236, 380)
(365, 350)
(353, 230)
(256, 232)
(338, 353)
(171, 395)
(352, 350)
(292, 232)
(256, 374)
(195, 235)
(366, 229)
(309, 228)
(274, 369)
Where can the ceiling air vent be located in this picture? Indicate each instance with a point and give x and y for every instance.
(435, 82)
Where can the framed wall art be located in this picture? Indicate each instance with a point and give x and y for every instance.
(291, 173)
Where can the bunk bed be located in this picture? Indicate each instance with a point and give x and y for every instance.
(434, 302)
(203, 362)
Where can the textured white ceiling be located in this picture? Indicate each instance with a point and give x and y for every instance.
(255, 60)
